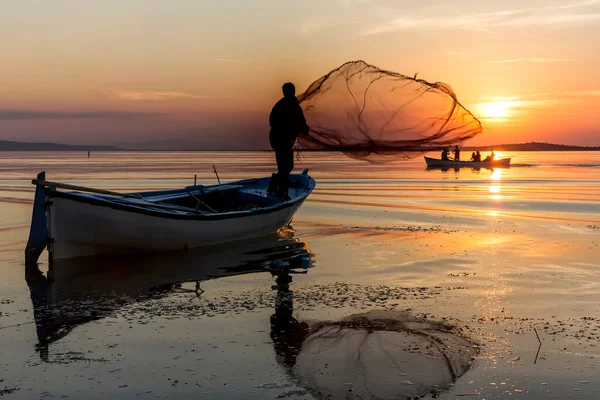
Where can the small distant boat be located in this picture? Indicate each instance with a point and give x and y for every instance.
(88, 222)
(437, 163)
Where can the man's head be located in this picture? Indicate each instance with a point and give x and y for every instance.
(289, 90)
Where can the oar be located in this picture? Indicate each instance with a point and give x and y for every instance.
(83, 189)
(111, 193)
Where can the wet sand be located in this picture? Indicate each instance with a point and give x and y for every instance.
(496, 255)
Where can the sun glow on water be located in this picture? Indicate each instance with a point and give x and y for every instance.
(496, 186)
(497, 174)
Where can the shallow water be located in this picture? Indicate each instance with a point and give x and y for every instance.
(499, 254)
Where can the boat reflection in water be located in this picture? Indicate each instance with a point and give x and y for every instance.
(80, 290)
(375, 355)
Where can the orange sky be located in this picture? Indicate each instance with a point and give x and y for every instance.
(124, 71)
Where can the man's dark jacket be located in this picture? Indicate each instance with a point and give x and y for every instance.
(287, 122)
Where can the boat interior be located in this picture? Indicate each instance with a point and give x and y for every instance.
(239, 196)
(221, 199)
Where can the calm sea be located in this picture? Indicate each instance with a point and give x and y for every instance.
(506, 255)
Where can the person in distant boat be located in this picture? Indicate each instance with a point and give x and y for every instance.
(473, 156)
(477, 156)
(445, 154)
(456, 153)
(287, 122)
(490, 157)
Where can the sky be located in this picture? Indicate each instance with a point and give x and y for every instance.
(206, 72)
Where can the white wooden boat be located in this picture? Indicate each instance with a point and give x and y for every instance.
(89, 221)
(437, 163)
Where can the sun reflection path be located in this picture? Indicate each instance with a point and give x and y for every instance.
(495, 187)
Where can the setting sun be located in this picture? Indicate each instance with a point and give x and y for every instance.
(496, 109)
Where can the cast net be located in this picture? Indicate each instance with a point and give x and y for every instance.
(365, 111)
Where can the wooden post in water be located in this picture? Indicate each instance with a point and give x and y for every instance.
(194, 179)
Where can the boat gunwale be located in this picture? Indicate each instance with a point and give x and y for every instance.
(140, 209)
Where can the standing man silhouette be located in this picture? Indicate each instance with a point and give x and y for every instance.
(287, 122)
(456, 152)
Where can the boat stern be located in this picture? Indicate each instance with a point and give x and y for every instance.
(38, 237)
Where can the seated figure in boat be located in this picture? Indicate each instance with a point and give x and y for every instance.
(475, 156)
(287, 122)
(445, 154)
(456, 152)
(490, 157)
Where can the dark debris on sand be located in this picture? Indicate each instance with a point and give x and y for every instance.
(407, 228)
(335, 295)
(7, 391)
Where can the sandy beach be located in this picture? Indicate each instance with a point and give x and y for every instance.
(508, 259)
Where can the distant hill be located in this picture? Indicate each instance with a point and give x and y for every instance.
(6, 145)
(532, 146)
(189, 145)
(179, 145)
(163, 145)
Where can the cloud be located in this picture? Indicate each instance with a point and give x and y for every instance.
(512, 106)
(475, 22)
(154, 95)
(530, 60)
(585, 93)
(577, 5)
(460, 53)
(318, 23)
(11, 114)
(555, 16)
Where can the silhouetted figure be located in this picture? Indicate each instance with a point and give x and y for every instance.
(490, 157)
(456, 153)
(445, 154)
(287, 332)
(287, 122)
(89, 153)
(477, 156)
(473, 156)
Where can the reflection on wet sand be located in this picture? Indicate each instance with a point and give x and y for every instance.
(381, 354)
(499, 258)
(287, 332)
(80, 290)
(363, 354)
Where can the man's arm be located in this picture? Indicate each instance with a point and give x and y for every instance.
(273, 116)
(302, 125)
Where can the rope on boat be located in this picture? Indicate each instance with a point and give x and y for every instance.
(201, 203)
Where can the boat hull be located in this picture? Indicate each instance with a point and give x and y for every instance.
(79, 224)
(436, 163)
(80, 229)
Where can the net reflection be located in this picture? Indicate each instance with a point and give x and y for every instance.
(380, 354)
(81, 290)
